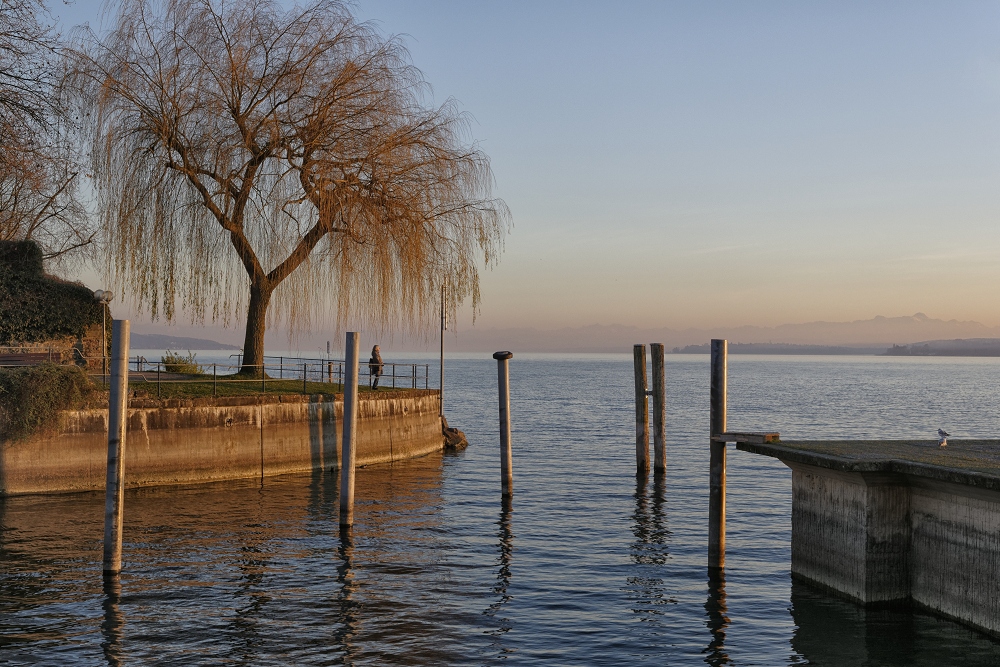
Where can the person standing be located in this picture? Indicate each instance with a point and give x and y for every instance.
(375, 366)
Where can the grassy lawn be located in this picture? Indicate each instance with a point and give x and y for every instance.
(201, 386)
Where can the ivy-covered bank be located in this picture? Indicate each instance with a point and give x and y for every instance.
(35, 307)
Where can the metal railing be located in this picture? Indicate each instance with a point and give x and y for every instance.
(280, 369)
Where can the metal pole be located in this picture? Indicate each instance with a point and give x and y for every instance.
(304, 375)
(503, 385)
(393, 375)
(215, 381)
(641, 411)
(329, 368)
(443, 326)
(350, 421)
(717, 465)
(114, 490)
(659, 408)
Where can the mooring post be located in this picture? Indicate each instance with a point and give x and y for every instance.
(717, 464)
(114, 490)
(659, 407)
(503, 385)
(641, 411)
(347, 448)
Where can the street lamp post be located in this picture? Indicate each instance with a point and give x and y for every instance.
(104, 297)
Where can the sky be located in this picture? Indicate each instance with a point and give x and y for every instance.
(701, 164)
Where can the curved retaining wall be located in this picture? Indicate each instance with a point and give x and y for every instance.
(206, 440)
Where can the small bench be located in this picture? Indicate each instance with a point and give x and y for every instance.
(24, 358)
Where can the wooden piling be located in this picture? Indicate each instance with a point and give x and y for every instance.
(641, 411)
(717, 464)
(503, 385)
(114, 490)
(348, 452)
(659, 408)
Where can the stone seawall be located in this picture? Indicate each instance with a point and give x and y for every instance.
(899, 523)
(205, 440)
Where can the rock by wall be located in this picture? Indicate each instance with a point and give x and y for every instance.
(204, 440)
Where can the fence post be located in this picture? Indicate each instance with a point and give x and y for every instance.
(114, 490)
(717, 465)
(304, 375)
(393, 376)
(350, 425)
(329, 372)
(641, 411)
(503, 385)
(158, 364)
(215, 381)
(659, 408)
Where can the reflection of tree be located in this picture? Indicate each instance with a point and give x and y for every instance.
(649, 526)
(346, 606)
(114, 621)
(715, 609)
(494, 611)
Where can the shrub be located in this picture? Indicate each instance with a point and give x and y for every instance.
(31, 397)
(35, 307)
(178, 363)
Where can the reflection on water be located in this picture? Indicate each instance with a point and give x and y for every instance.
(716, 611)
(837, 633)
(505, 554)
(114, 621)
(647, 588)
(347, 609)
(609, 570)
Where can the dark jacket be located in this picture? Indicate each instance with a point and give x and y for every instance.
(375, 364)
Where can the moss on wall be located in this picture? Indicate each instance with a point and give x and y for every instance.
(31, 397)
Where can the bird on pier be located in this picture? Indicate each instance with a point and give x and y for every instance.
(942, 437)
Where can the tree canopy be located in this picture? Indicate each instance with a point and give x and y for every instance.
(38, 182)
(239, 146)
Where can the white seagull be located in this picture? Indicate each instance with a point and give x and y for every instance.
(943, 437)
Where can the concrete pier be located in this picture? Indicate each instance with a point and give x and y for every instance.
(898, 522)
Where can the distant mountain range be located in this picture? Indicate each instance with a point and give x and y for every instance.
(963, 347)
(879, 333)
(176, 343)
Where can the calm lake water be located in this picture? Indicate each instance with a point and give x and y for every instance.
(587, 565)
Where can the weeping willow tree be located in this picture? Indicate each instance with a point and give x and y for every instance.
(239, 146)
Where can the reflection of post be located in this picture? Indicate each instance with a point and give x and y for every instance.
(503, 381)
(114, 621)
(506, 545)
(114, 490)
(717, 464)
(641, 411)
(715, 609)
(348, 607)
(350, 421)
(659, 407)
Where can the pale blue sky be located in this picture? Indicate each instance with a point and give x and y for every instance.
(708, 163)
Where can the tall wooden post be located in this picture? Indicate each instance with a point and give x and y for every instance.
(717, 464)
(659, 407)
(348, 452)
(503, 386)
(114, 490)
(641, 411)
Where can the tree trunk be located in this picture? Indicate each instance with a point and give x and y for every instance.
(253, 344)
